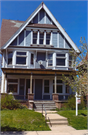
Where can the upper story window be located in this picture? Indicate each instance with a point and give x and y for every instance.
(70, 61)
(41, 38)
(60, 59)
(10, 55)
(21, 58)
(48, 38)
(32, 58)
(34, 37)
(50, 59)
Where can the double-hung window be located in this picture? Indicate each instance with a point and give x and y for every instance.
(21, 58)
(34, 37)
(60, 60)
(41, 38)
(47, 38)
(59, 85)
(46, 86)
(10, 56)
(32, 58)
(70, 61)
(50, 59)
(12, 86)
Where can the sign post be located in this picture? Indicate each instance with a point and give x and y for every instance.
(78, 101)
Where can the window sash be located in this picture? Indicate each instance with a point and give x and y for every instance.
(10, 57)
(46, 86)
(60, 59)
(32, 58)
(21, 58)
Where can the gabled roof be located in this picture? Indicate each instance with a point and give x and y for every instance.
(42, 5)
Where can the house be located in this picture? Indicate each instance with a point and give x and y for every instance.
(35, 54)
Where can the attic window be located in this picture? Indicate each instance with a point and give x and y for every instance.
(47, 38)
(41, 40)
(34, 37)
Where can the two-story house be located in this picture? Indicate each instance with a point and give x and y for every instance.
(35, 54)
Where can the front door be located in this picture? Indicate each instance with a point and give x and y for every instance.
(38, 89)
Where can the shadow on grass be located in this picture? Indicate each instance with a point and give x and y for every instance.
(11, 130)
(83, 114)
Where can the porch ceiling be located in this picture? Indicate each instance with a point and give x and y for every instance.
(37, 71)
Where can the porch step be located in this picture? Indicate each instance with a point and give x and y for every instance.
(58, 123)
(48, 105)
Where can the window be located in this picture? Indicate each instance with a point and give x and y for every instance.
(48, 38)
(32, 58)
(60, 59)
(21, 58)
(50, 59)
(10, 55)
(12, 85)
(59, 85)
(67, 89)
(70, 61)
(41, 40)
(34, 37)
(46, 86)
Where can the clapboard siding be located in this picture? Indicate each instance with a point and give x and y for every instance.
(28, 38)
(48, 20)
(61, 41)
(67, 45)
(21, 38)
(35, 20)
(55, 39)
(42, 13)
(14, 42)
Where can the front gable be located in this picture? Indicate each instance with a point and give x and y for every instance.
(41, 15)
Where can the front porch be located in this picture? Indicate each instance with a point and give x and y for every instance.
(36, 84)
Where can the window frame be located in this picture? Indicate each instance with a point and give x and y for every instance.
(41, 38)
(47, 38)
(35, 38)
(8, 58)
(46, 86)
(57, 84)
(30, 58)
(61, 57)
(50, 59)
(21, 56)
(17, 83)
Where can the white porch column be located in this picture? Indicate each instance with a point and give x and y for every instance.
(55, 84)
(31, 84)
(38, 38)
(5, 84)
(44, 37)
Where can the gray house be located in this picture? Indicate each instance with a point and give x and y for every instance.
(35, 55)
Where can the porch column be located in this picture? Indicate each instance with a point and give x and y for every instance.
(31, 84)
(5, 83)
(30, 95)
(55, 95)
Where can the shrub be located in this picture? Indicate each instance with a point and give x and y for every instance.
(8, 102)
(71, 103)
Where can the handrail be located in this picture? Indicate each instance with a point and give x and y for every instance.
(45, 111)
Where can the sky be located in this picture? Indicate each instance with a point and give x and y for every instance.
(72, 15)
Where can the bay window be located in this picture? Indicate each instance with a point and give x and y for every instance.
(10, 55)
(60, 59)
(21, 58)
(50, 59)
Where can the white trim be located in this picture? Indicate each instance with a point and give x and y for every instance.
(2, 82)
(51, 38)
(57, 39)
(44, 37)
(31, 37)
(38, 35)
(41, 29)
(24, 37)
(5, 85)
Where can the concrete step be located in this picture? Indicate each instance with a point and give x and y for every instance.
(58, 120)
(58, 123)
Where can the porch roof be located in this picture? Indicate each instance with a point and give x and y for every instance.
(37, 71)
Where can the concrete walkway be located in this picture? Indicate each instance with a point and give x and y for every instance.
(55, 129)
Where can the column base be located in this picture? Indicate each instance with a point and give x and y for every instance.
(31, 104)
(55, 96)
(31, 96)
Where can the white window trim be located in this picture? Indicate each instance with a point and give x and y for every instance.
(21, 56)
(62, 58)
(50, 59)
(14, 93)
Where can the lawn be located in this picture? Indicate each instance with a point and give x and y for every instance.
(78, 122)
(22, 120)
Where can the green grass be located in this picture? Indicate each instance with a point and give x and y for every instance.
(78, 122)
(22, 120)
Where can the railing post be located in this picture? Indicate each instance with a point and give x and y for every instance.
(42, 109)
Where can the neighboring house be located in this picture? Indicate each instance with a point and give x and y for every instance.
(35, 54)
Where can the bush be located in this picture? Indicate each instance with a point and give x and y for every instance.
(71, 103)
(8, 102)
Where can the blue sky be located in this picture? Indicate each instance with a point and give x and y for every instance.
(72, 15)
